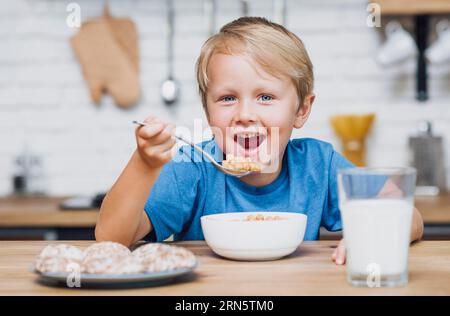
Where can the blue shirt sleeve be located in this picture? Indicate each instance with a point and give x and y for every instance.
(331, 216)
(172, 198)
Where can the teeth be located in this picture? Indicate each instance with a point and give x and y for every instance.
(248, 135)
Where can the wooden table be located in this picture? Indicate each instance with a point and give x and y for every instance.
(309, 271)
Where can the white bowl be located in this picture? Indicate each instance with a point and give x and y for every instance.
(230, 236)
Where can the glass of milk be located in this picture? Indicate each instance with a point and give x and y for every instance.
(376, 206)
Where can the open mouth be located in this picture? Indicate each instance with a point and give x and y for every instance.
(249, 141)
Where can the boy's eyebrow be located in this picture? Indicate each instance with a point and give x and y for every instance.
(257, 85)
(258, 90)
(222, 90)
(270, 89)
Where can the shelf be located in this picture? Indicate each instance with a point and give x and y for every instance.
(420, 10)
(413, 7)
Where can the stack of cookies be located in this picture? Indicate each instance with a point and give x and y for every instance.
(113, 258)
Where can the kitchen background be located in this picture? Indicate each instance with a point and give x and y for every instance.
(45, 105)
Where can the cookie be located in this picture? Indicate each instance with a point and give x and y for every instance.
(104, 258)
(59, 258)
(109, 263)
(106, 248)
(128, 265)
(156, 257)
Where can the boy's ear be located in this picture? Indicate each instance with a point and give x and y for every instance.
(305, 109)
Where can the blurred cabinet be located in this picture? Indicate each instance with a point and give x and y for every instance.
(39, 218)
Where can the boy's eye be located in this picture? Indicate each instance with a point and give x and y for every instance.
(266, 98)
(228, 98)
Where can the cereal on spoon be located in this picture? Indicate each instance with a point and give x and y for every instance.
(240, 163)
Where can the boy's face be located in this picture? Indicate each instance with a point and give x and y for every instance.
(254, 111)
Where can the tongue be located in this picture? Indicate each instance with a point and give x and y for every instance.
(250, 143)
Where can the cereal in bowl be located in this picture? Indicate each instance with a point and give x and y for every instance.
(261, 217)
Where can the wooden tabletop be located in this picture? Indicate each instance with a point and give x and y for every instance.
(412, 7)
(42, 212)
(309, 271)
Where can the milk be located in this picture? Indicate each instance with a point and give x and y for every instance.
(377, 232)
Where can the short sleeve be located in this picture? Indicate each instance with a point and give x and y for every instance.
(331, 216)
(172, 198)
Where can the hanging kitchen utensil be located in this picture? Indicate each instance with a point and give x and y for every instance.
(427, 156)
(244, 7)
(210, 7)
(107, 50)
(170, 87)
(353, 129)
(125, 33)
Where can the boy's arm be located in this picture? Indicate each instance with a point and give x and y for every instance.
(390, 189)
(122, 218)
(417, 226)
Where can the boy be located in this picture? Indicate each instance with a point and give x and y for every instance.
(256, 84)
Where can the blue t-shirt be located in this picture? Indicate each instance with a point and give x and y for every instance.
(189, 187)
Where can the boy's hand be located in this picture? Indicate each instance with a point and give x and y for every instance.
(338, 255)
(155, 142)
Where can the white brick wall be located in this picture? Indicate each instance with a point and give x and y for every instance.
(44, 100)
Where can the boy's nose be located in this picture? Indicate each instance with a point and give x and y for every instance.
(245, 113)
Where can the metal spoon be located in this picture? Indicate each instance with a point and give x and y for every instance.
(232, 172)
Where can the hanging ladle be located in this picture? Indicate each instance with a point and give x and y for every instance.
(170, 88)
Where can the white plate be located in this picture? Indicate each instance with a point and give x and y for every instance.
(114, 280)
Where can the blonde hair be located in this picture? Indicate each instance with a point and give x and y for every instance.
(278, 51)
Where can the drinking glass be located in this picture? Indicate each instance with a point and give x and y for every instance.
(376, 207)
